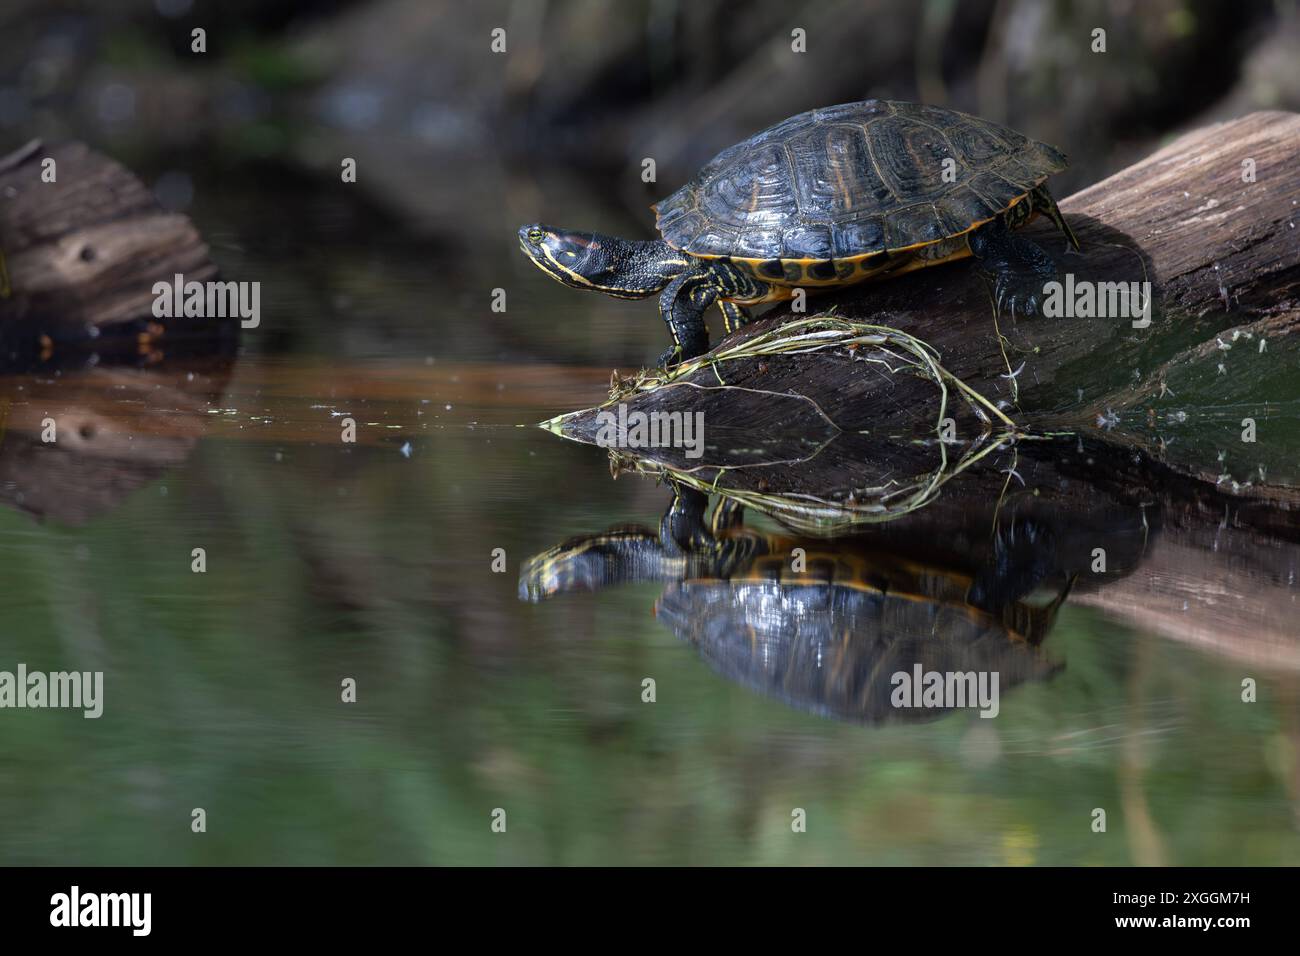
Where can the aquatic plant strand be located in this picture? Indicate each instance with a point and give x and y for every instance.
(895, 350)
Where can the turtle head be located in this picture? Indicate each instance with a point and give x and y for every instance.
(592, 562)
(587, 260)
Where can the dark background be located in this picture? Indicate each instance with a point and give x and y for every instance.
(457, 145)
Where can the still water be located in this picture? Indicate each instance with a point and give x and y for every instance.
(374, 560)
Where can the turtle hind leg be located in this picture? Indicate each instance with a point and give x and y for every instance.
(733, 316)
(682, 305)
(1023, 557)
(1018, 267)
(1044, 203)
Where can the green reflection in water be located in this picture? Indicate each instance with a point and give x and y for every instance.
(223, 693)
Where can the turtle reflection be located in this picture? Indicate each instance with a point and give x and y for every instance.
(825, 624)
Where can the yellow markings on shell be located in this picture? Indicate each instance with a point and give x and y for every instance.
(918, 263)
(854, 259)
(842, 187)
(779, 291)
(906, 582)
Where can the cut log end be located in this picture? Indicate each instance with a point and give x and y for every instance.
(83, 241)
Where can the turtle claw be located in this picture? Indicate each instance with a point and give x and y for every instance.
(671, 357)
(678, 353)
(1018, 267)
(1019, 281)
(1018, 295)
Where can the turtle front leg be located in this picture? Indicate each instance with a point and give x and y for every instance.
(683, 532)
(733, 315)
(1019, 268)
(682, 529)
(736, 283)
(682, 305)
(728, 514)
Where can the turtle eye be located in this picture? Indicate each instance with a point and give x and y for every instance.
(535, 236)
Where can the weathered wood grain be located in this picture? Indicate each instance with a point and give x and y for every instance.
(1221, 253)
(82, 253)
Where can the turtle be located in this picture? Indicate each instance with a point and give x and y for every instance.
(828, 198)
(826, 636)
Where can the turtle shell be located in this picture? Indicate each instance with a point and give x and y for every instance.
(829, 639)
(832, 649)
(852, 181)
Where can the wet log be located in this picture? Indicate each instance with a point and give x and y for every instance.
(81, 253)
(1222, 254)
(1212, 221)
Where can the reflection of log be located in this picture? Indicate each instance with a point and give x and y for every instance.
(74, 447)
(1223, 587)
(1223, 256)
(83, 252)
(1182, 558)
(1189, 562)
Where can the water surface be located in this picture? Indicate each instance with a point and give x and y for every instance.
(373, 560)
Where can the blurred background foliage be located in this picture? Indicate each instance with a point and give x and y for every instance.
(457, 145)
